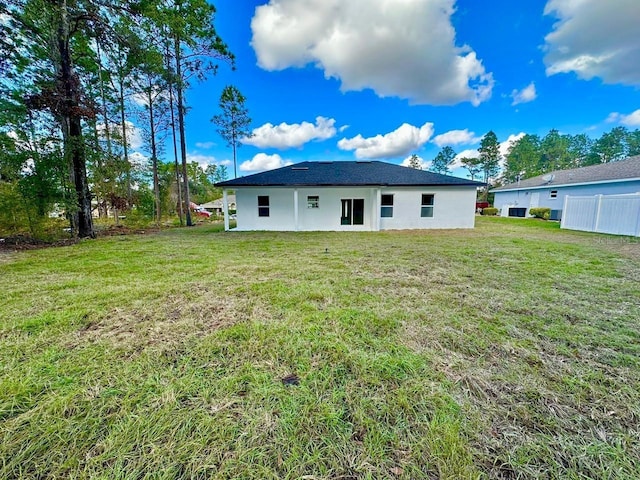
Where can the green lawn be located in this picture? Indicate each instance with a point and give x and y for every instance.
(509, 351)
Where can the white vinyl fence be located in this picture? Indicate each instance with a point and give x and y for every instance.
(614, 214)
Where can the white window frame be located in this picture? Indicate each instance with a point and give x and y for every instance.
(386, 208)
(427, 207)
(313, 201)
(264, 208)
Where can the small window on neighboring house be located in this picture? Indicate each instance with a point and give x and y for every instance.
(313, 201)
(386, 206)
(553, 194)
(263, 205)
(427, 205)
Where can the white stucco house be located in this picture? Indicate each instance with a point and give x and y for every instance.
(550, 190)
(351, 196)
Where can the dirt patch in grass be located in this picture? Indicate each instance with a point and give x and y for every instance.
(114, 230)
(20, 242)
(172, 321)
(6, 255)
(25, 242)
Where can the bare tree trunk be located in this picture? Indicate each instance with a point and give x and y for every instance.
(101, 205)
(183, 146)
(154, 153)
(125, 143)
(235, 173)
(72, 124)
(103, 210)
(105, 116)
(175, 153)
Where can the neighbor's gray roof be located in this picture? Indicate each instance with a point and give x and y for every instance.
(604, 172)
(346, 174)
(218, 202)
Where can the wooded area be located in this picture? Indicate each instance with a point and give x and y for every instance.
(533, 155)
(76, 76)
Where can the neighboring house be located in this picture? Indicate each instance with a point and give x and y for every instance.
(351, 196)
(550, 190)
(216, 206)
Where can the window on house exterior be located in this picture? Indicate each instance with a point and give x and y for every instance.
(553, 194)
(263, 205)
(313, 201)
(428, 200)
(386, 206)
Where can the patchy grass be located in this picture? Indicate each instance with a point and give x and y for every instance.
(509, 351)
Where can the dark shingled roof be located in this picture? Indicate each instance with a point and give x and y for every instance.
(346, 174)
(612, 171)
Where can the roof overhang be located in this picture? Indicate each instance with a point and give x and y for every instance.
(549, 185)
(368, 185)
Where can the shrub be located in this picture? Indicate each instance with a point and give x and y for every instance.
(541, 212)
(489, 211)
(137, 218)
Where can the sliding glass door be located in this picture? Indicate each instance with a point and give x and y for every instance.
(352, 211)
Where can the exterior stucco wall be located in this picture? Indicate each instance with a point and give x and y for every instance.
(523, 198)
(282, 210)
(454, 207)
(327, 215)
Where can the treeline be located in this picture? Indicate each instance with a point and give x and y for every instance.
(75, 77)
(533, 155)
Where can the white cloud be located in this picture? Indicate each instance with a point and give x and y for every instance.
(285, 136)
(614, 117)
(456, 137)
(504, 146)
(473, 153)
(134, 134)
(206, 160)
(343, 128)
(138, 160)
(594, 38)
(262, 162)
(630, 120)
(142, 100)
(423, 163)
(526, 95)
(403, 49)
(401, 141)
(205, 145)
(470, 153)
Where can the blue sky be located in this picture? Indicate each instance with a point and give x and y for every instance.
(383, 79)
